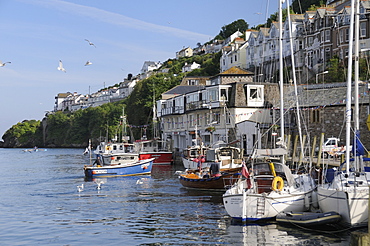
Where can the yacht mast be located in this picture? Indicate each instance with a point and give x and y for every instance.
(281, 71)
(349, 86)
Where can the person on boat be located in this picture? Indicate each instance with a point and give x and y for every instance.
(316, 174)
(201, 159)
(214, 169)
(98, 162)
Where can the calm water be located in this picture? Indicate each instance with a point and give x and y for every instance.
(40, 205)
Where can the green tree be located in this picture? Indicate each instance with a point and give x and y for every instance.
(301, 7)
(228, 30)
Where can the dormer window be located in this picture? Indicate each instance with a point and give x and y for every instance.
(255, 95)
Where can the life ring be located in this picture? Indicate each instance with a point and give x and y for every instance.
(277, 183)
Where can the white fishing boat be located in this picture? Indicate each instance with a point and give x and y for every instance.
(227, 156)
(348, 191)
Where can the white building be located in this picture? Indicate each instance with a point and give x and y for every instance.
(190, 67)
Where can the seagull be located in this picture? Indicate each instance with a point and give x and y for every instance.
(99, 183)
(61, 68)
(88, 63)
(90, 43)
(80, 187)
(3, 64)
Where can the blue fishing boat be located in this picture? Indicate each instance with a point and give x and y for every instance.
(142, 167)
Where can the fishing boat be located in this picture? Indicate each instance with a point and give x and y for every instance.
(210, 180)
(228, 157)
(348, 191)
(142, 167)
(154, 148)
(308, 219)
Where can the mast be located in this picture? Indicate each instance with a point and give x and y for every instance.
(281, 71)
(358, 163)
(124, 133)
(295, 80)
(349, 86)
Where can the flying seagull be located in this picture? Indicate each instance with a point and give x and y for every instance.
(61, 68)
(3, 64)
(90, 43)
(88, 63)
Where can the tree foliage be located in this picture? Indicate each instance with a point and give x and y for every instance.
(238, 25)
(301, 7)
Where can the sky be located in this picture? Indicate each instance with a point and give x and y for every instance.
(36, 34)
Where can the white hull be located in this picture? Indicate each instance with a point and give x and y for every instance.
(263, 206)
(271, 189)
(350, 203)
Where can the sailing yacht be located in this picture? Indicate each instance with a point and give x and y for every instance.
(348, 191)
(269, 187)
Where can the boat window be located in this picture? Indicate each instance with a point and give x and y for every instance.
(114, 147)
(121, 147)
(262, 169)
(225, 153)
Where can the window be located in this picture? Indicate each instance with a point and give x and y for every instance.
(193, 82)
(363, 29)
(327, 35)
(310, 41)
(228, 118)
(213, 95)
(347, 34)
(315, 116)
(322, 36)
(255, 95)
(223, 95)
(216, 117)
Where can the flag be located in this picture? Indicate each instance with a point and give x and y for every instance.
(358, 148)
(245, 173)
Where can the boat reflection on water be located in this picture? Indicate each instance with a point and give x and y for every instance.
(275, 234)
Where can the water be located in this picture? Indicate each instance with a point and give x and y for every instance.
(40, 204)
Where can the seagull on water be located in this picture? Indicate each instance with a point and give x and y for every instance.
(88, 63)
(2, 64)
(99, 183)
(80, 187)
(90, 43)
(140, 181)
(61, 68)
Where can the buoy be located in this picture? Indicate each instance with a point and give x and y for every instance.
(277, 184)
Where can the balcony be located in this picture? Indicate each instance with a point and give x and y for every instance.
(195, 105)
(172, 110)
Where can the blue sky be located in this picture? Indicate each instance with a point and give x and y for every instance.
(36, 34)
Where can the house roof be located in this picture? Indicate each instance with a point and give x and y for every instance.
(235, 71)
(183, 89)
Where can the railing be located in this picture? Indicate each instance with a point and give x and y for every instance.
(195, 105)
(172, 110)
